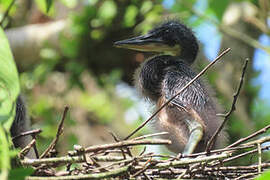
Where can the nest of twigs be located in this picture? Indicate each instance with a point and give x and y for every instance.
(116, 160)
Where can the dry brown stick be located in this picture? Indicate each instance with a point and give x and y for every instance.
(235, 97)
(124, 144)
(34, 136)
(235, 147)
(150, 135)
(244, 176)
(243, 154)
(144, 168)
(59, 132)
(181, 90)
(32, 132)
(188, 161)
(102, 175)
(116, 139)
(27, 148)
(67, 159)
(259, 158)
(218, 151)
(263, 130)
(6, 13)
(237, 168)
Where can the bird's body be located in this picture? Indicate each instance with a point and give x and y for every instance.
(162, 77)
(20, 125)
(190, 118)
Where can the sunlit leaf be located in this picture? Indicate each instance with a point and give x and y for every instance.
(264, 176)
(130, 16)
(218, 7)
(107, 10)
(9, 83)
(70, 3)
(45, 6)
(20, 173)
(48, 5)
(146, 6)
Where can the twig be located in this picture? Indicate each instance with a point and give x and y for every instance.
(145, 166)
(32, 132)
(188, 161)
(244, 154)
(120, 144)
(259, 158)
(188, 84)
(235, 97)
(263, 130)
(112, 173)
(116, 139)
(59, 132)
(69, 159)
(150, 135)
(244, 176)
(26, 149)
(6, 13)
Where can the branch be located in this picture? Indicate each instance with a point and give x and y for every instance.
(186, 86)
(261, 131)
(126, 143)
(59, 132)
(112, 173)
(227, 115)
(32, 132)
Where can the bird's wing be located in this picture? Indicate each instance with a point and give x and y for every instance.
(190, 100)
(192, 97)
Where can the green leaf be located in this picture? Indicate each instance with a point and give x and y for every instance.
(218, 7)
(130, 16)
(9, 83)
(4, 154)
(48, 5)
(45, 6)
(70, 3)
(264, 176)
(107, 10)
(20, 173)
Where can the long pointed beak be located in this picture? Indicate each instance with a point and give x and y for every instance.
(146, 43)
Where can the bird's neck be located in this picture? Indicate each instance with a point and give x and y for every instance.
(150, 75)
(187, 54)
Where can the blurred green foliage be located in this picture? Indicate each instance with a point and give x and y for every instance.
(9, 91)
(264, 176)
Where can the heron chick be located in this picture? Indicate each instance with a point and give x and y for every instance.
(190, 118)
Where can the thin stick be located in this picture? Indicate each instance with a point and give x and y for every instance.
(151, 135)
(259, 158)
(102, 175)
(188, 84)
(261, 131)
(59, 132)
(145, 166)
(121, 144)
(27, 148)
(235, 97)
(32, 132)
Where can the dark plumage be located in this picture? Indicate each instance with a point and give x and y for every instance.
(191, 117)
(21, 124)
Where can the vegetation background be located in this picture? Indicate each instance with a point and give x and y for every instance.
(65, 56)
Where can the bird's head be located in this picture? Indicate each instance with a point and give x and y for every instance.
(172, 38)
